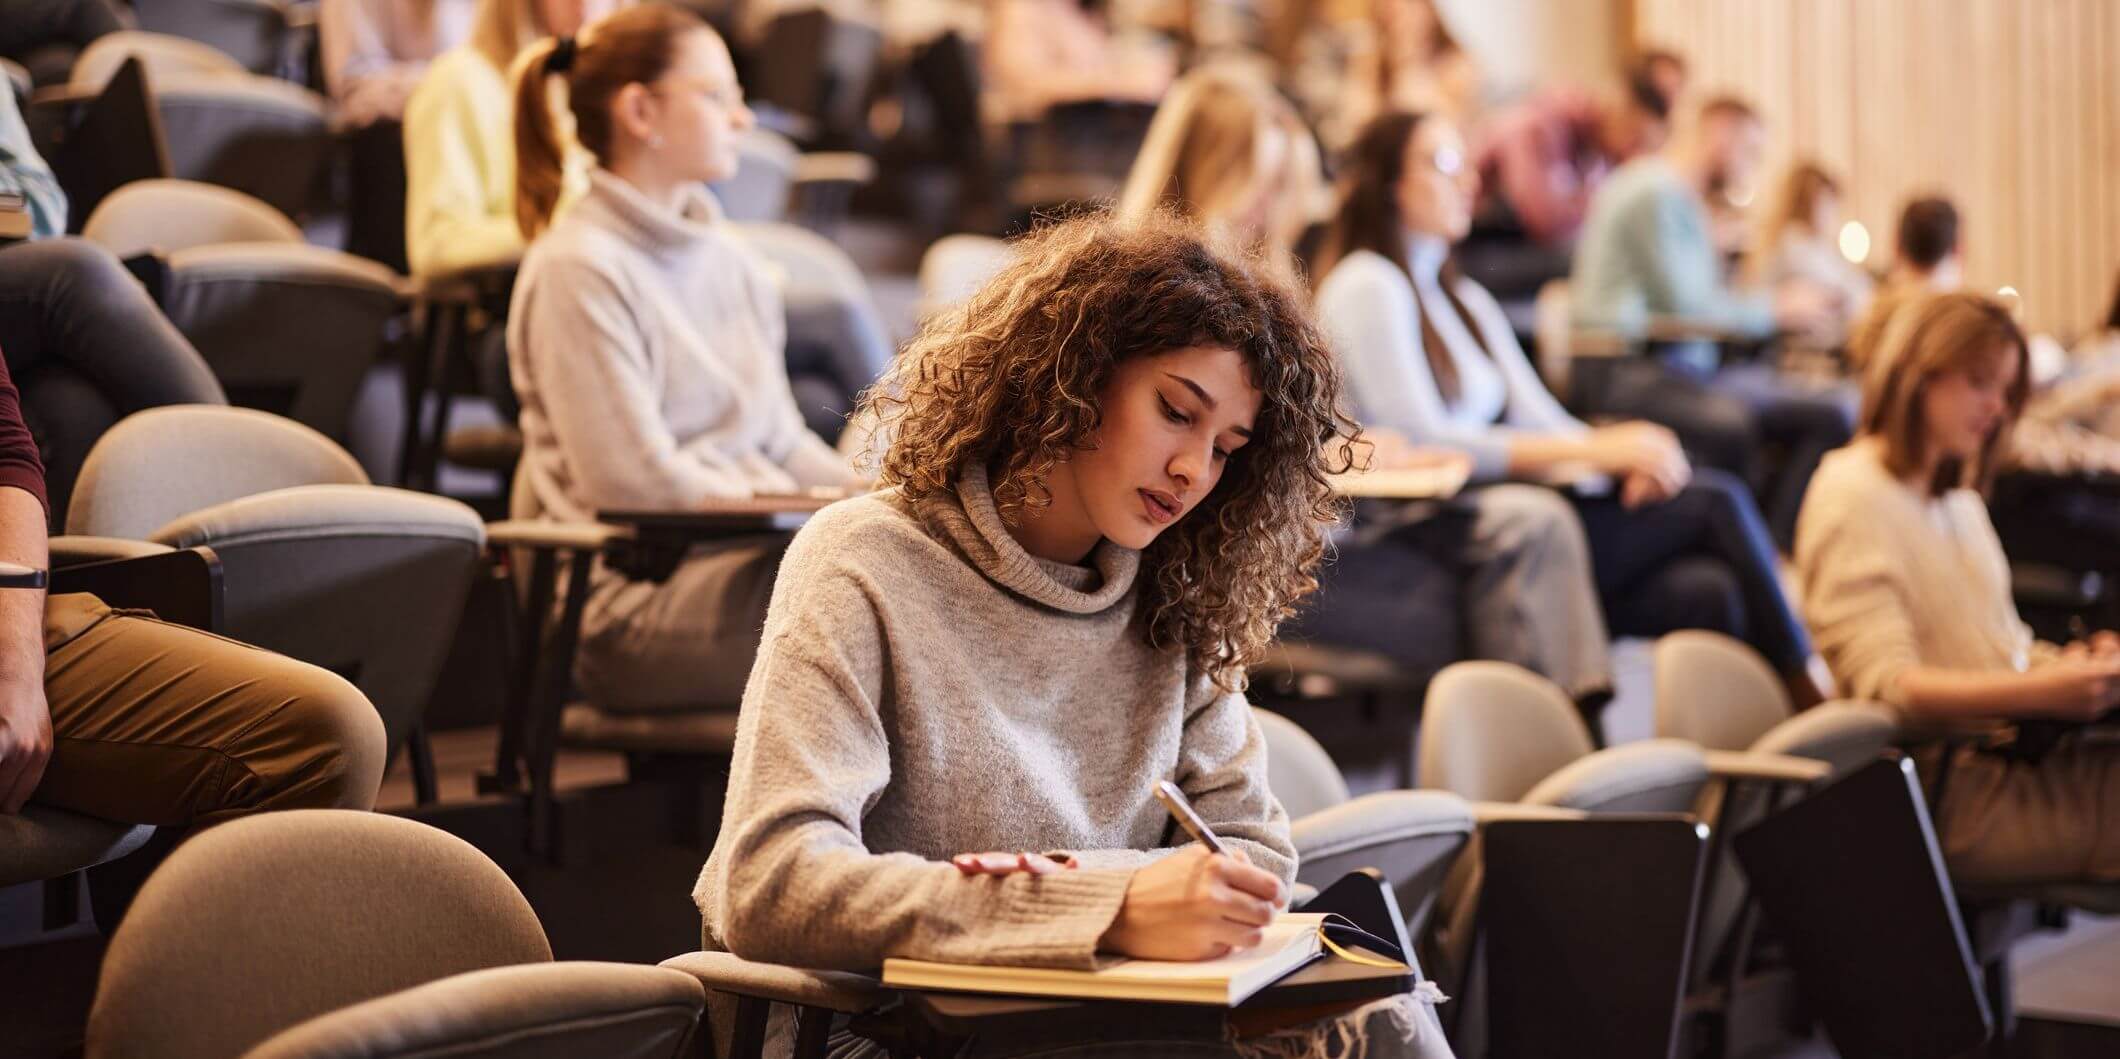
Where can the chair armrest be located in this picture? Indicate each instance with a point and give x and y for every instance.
(722, 972)
(76, 549)
(1491, 812)
(1381, 819)
(833, 167)
(1769, 768)
(1664, 327)
(182, 587)
(542, 535)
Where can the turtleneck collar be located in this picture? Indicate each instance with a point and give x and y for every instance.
(657, 228)
(971, 523)
(1425, 255)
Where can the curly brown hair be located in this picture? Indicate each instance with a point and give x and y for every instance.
(1011, 378)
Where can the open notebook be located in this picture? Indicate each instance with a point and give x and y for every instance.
(1291, 943)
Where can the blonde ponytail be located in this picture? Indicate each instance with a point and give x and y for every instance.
(540, 157)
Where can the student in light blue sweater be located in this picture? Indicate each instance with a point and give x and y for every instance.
(1429, 355)
(1648, 252)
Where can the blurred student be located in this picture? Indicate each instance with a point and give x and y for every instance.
(375, 52)
(1800, 243)
(459, 153)
(1042, 53)
(1908, 592)
(1648, 255)
(1542, 160)
(1227, 151)
(647, 347)
(1429, 356)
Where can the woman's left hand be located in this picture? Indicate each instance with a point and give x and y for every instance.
(1010, 863)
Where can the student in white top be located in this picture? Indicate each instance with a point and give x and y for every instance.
(1429, 355)
(1908, 591)
(646, 346)
(1800, 244)
(1227, 150)
(459, 146)
(376, 51)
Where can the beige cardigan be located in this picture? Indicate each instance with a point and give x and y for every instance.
(1894, 579)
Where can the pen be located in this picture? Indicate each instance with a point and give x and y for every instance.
(1173, 799)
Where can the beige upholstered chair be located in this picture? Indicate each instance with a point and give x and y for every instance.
(954, 267)
(1412, 837)
(1512, 742)
(172, 215)
(363, 580)
(164, 55)
(327, 933)
(287, 327)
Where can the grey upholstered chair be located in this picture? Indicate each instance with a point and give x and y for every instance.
(287, 327)
(259, 34)
(326, 933)
(837, 342)
(319, 565)
(44, 843)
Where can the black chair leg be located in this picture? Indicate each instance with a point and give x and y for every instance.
(419, 750)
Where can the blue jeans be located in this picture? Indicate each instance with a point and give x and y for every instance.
(87, 346)
(1700, 560)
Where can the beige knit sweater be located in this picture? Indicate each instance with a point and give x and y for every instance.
(927, 688)
(1894, 579)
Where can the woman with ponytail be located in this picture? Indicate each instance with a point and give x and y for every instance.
(646, 347)
(459, 151)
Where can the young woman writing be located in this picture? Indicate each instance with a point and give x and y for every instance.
(1106, 486)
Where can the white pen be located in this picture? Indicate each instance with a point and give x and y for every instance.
(1173, 799)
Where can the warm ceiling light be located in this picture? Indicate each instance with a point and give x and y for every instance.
(1855, 242)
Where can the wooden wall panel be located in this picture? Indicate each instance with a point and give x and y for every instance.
(2011, 107)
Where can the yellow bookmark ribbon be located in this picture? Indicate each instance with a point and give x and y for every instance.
(1363, 958)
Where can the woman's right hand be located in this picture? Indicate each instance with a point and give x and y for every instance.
(2077, 687)
(1194, 905)
(1641, 450)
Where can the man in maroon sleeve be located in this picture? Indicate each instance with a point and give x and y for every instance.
(117, 715)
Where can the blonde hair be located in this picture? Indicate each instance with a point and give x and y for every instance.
(1795, 205)
(1927, 336)
(633, 45)
(1010, 379)
(1202, 151)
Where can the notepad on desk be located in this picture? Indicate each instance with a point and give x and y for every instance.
(1289, 945)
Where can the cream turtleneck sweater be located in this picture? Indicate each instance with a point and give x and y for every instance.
(926, 688)
(646, 346)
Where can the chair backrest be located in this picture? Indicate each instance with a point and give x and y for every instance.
(365, 581)
(161, 464)
(835, 330)
(255, 925)
(765, 172)
(1298, 770)
(253, 33)
(1843, 733)
(1715, 691)
(954, 267)
(166, 57)
(610, 1010)
(821, 70)
(1490, 731)
(288, 328)
(259, 135)
(172, 215)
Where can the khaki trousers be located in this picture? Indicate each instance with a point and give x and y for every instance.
(2057, 820)
(162, 724)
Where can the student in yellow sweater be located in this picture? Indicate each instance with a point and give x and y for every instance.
(459, 140)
